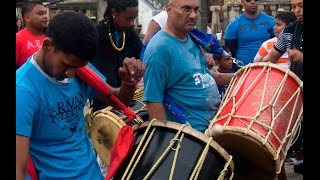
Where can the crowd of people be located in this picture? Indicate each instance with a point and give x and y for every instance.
(183, 80)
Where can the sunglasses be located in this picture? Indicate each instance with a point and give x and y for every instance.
(251, 0)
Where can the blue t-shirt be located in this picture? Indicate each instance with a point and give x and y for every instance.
(250, 33)
(50, 113)
(179, 70)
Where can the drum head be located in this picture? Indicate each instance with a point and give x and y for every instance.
(105, 127)
(87, 120)
(248, 150)
(255, 121)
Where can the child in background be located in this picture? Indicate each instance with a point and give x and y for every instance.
(224, 64)
(282, 20)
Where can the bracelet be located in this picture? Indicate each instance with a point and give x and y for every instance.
(129, 84)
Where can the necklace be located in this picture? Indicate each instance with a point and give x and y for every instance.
(123, 41)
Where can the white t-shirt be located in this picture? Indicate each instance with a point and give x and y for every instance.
(161, 18)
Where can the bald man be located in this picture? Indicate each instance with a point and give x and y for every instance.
(176, 69)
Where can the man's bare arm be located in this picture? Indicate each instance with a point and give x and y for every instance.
(152, 28)
(273, 56)
(22, 154)
(222, 78)
(295, 55)
(156, 110)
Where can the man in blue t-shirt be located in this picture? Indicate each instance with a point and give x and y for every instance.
(245, 34)
(50, 101)
(176, 71)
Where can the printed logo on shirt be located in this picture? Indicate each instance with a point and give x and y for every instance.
(35, 44)
(252, 27)
(67, 112)
(205, 80)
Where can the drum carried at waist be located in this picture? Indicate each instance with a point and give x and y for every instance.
(259, 115)
(168, 150)
(137, 105)
(104, 128)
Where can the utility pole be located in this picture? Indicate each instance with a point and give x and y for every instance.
(202, 20)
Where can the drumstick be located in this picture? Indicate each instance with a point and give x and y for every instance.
(95, 81)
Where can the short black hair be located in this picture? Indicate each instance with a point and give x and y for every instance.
(219, 57)
(286, 17)
(73, 33)
(28, 6)
(118, 5)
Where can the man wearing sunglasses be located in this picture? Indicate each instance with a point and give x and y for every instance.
(245, 34)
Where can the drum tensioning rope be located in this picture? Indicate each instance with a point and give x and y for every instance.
(165, 153)
(137, 150)
(196, 170)
(200, 162)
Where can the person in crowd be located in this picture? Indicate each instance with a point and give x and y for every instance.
(223, 64)
(245, 34)
(282, 20)
(29, 39)
(159, 21)
(290, 40)
(117, 40)
(50, 100)
(191, 88)
(19, 24)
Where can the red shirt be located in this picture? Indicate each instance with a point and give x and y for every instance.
(26, 45)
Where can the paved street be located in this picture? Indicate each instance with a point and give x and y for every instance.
(291, 175)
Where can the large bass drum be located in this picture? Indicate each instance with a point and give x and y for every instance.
(168, 150)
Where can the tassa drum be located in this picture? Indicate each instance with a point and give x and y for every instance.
(105, 126)
(168, 150)
(259, 115)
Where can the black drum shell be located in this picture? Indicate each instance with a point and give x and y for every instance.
(189, 154)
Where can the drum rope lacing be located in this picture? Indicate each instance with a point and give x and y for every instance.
(196, 170)
(137, 150)
(199, 164)
(175, 155)
(225, 170)
(165, 153)
(274, 116)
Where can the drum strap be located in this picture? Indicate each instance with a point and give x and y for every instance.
(174, 109)
(207, 41)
